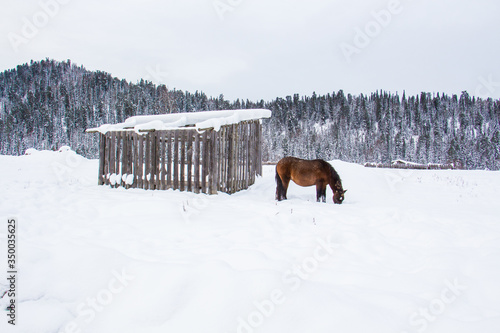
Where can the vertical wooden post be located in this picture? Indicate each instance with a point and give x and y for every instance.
(136, 159)
(169, 159)
(147, 161)
(118, 158)
(230, 160)
(140, 162)
(176, 160)
(214, 169)
(107, 156)
(183, 161)
(204, 162)
(189, 161)
(259, 147)
(161, 141)
(102, 158)
(197, 162)
(236, 158)
(123, 157)
(112, 156)
(156, 166)
(247, 156)
(254, 150)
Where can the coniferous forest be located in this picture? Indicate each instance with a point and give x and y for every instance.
(48, 104)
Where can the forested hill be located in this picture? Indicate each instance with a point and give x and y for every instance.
(48, 104)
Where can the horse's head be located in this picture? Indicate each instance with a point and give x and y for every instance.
(338, 195)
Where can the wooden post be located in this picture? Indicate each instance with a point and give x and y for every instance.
(176, 160)
(247, 155)
(230, 159)
(236, 158)
(140, 162)
(204, 161)
(161, 142)
(214, 169)
(197, 163)
(169, 159)
(189, 161)
(135, 165)
(102, 158)
(107, 157)
(260, 147)
(147, 161)
(156, 160)
(112, 156)
(123, 157)
(183, 161)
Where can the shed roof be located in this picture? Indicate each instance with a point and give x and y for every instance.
(199, 120)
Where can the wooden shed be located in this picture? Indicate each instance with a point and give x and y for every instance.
(199, 152)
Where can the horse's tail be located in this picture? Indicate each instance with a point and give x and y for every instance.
(280, 189)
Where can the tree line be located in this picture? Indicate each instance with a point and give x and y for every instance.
(48, 104)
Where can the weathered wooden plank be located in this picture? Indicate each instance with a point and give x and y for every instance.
(130, 161)
(242, 156)
(253, 152)
(221, 159)
(214, 156)
(246, 174)
(118, 160)
(204, 161)
(124, 158)
(208, 164)
(182, 144)
(140, 161)
(158, 159)
(108, 158)
(147, 161)
(250, 155)
(112, 156)
(102, 158)
(169, 159)
(161, 141)
(236, 158)
(176, 160)
(130, 156)
(210, 171)
(155, 161)
(196, 163)
(232, 156)
(227, 149)
(135, 163)
(259, 149)
(154, 166)
(189, 161)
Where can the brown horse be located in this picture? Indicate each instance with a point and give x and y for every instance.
(308, 173)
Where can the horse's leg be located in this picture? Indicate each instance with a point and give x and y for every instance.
(321, 192)
(286, 181)
(318, 191)
(281, 186)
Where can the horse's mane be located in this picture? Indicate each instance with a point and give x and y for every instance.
(335, 175)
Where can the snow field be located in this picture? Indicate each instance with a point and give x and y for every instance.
(408, 251)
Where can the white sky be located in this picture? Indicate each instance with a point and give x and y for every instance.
(263, 49)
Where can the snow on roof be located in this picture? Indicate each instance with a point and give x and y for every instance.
(199, 120)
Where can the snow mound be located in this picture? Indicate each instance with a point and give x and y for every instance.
(408, 251)
(61, 167)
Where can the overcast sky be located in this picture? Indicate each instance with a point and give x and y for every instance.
(263, 49)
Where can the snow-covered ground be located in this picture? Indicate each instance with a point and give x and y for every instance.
(408, 251)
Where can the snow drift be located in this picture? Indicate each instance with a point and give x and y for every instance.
(408, 251)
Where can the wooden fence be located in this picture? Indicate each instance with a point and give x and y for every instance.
(227, 160)
(430, 166)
